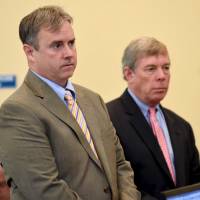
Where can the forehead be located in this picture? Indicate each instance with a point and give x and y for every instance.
(158, 59)
(63, 32)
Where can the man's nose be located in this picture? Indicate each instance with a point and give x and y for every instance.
(68, 51)
(161, 74)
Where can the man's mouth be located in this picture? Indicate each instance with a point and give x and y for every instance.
(68, 64)
(160, 90)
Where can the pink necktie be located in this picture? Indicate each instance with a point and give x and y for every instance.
(158, 132)
(78, 115)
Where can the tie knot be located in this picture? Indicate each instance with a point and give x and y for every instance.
(69, 98)
(152, 111)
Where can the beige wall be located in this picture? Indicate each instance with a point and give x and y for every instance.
(103, 29)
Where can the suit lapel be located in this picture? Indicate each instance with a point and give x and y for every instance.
(177, 146)
(92, 123)
(49, 99)
(143, 129)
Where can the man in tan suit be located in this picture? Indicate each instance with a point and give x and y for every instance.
(45, 152)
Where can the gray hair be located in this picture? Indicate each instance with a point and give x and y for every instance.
(144, 46)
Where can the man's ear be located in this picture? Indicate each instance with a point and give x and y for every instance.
(128, 73)
(29, 51)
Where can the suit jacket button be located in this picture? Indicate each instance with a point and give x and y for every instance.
(106, 189)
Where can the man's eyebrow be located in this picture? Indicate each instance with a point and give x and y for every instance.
(72, 40)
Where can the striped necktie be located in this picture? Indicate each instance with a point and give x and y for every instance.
(159, 134)
(78, 115)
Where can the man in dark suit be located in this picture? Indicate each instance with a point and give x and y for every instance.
(157, 167)
(56, 139)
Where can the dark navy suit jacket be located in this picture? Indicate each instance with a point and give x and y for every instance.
(142, 149)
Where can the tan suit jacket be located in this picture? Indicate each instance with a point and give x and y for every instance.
(47, 157)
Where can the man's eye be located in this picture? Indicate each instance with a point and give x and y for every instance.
(150, 68)
(166, 67)
(57, 45)
(71, 43)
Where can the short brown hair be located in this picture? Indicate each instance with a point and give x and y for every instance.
(144, 46)
(50, 17)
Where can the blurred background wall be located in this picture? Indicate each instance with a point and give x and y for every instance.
(103, 28)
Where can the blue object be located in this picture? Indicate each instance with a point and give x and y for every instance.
(7, 81)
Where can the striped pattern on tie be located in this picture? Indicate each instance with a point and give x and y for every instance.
(78, 115)
(159, 134)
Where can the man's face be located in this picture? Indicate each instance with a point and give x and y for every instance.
(150, 79)
(56, 56)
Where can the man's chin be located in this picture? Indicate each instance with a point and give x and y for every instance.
(158, 100)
